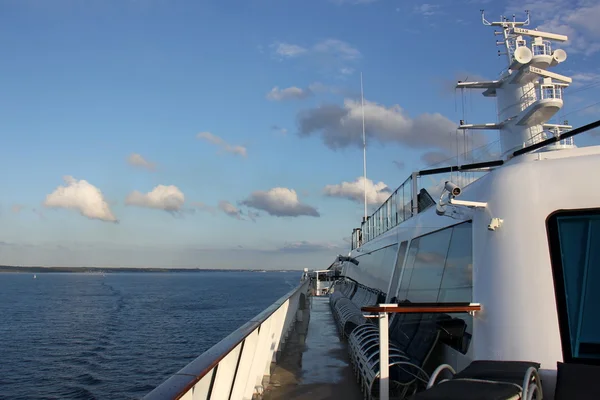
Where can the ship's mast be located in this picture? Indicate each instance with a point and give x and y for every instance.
(527, 94)
(362, 103)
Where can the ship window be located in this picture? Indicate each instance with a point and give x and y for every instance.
(457, 282)
(439, 266)
(574, 238)
(428, 266)
(397, 271)
(406, 275)
(375, 268)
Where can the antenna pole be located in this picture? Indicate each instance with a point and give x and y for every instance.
(362, 103)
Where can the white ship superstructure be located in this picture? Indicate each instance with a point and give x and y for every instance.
(496, 280)
(528, 95)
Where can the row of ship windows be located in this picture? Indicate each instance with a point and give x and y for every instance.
(436, 267)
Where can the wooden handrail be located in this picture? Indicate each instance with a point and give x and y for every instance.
(424, 308)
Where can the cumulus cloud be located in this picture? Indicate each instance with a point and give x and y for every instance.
(290, 93)
(280, 202)
(578, 19)
(217, 141)
(136, 160)
(341, 126)
(377, 193)
(230, 209)
(82, 196)
(167, 198)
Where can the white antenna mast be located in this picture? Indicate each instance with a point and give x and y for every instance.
(362, 102)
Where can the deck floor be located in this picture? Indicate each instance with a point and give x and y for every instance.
(314, 364)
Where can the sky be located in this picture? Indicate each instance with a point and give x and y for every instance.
(228, 134)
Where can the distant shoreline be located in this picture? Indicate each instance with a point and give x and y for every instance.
(112, 270)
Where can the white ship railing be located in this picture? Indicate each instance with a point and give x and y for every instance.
(542, 49)
(400, 206)
(541, 92)
(235, 367)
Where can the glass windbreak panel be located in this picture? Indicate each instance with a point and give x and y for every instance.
(397, 272)
(429, 266)
(457, 282)
(408, 269)
(579, 241)
(408, 200)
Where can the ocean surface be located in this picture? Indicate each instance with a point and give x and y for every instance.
(88, 336)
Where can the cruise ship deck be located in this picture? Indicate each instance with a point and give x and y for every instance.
(314, 363)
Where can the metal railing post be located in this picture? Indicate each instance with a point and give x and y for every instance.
(384, 359)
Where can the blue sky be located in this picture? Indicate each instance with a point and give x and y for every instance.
(208, 129)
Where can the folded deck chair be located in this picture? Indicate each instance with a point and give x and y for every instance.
(486, 380)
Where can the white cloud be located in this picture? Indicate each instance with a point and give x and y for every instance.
(167, 198)
(82, 196)
(377, 193)
(280, 202)
(346, 71)
(296, 93)
(217, 141)
(288, 50)
(137, 160)
(426, 9)
(342, 126)
(331, 48)
(291, 93)
(578, 19)
(230, 209)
